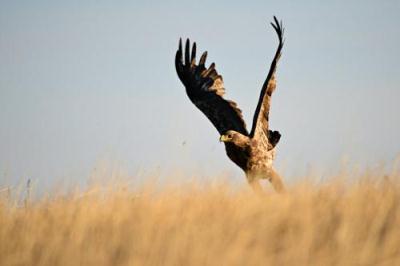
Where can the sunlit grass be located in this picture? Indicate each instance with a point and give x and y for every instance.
(333, 223)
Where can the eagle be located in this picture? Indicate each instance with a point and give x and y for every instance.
(253, 152)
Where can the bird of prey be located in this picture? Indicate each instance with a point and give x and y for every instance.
(253, 152)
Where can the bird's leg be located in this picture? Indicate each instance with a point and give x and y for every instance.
(255, 184)
(276, 181)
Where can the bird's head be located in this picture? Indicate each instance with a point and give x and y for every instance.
(234, 137)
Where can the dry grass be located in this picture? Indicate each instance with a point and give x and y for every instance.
(329, 224)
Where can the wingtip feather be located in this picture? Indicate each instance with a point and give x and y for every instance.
(180, 45)
(178, 55)
(187, 57)
(203, 59)
(193, 57)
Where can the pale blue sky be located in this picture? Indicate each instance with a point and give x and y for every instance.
(87, 83)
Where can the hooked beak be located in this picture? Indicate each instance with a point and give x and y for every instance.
(223, 138)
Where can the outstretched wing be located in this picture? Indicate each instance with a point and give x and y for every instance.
(205, 89)
(260, 128)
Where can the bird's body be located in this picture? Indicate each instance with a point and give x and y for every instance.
(249, 154)
(255, 159)
(253, 152)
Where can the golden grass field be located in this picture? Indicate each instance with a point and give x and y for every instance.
(334, 222)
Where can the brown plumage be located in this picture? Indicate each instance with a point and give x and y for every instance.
(254, 151)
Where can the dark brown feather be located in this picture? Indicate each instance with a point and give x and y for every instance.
(260, 128)
(205, 89)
